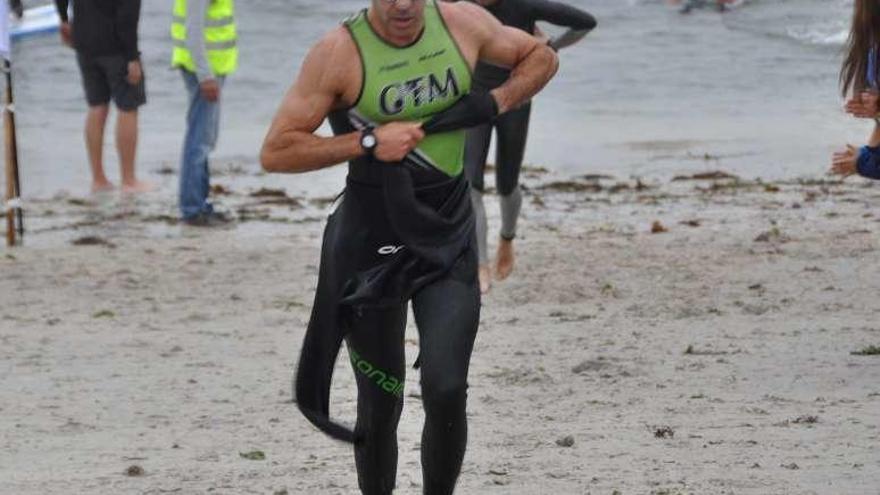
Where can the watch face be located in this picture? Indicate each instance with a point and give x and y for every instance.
(368, 141)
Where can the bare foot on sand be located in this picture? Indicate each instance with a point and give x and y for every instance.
(137, 187)
(101, 186)
(485, 279)
(504, 259)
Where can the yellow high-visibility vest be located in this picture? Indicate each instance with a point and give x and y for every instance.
(220, 37)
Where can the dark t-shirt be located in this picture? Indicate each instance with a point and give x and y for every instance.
(104, 27)
(523, 14)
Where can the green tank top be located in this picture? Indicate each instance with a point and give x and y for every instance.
(414, 82)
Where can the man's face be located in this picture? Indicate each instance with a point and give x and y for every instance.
(400, 18)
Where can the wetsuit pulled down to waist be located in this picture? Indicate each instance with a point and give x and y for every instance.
(384, 242)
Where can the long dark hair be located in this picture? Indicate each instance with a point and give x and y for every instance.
(862, 42)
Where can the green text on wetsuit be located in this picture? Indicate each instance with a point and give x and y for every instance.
(384, 380)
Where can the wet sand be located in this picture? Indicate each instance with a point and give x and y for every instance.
(678, 337)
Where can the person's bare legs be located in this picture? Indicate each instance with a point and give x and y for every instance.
(126, 145)
(96, 119)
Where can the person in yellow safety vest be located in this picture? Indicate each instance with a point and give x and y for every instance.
(205, 51)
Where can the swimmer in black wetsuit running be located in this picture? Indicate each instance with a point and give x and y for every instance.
(395, 81)
(512, 128)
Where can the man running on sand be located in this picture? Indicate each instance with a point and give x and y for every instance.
(395, 81)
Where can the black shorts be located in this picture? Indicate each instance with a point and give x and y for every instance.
(103, 78)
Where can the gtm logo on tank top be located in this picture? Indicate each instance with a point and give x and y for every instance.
(417, 92)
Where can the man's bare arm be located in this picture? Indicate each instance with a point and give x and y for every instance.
(324, 80)
(533, 63)
(291, 145)
(534, 70)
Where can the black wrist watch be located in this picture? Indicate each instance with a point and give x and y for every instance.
(368, 140)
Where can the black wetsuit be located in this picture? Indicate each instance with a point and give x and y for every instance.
(512, 127)
(400, 233)
(523, 15)
(374, 260)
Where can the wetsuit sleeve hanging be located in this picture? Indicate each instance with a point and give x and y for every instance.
(475, 108)
(561, 14)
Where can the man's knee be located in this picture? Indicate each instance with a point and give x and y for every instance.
(380, 417)
(100, 111)
(443, 392)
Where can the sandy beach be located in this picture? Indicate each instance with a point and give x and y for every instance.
(718, 354)
(690, 332)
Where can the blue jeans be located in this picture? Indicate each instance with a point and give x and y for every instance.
(202, 128)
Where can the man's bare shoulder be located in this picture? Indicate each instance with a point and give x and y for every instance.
(335, 43)
(460, 8)
(465, 16)
(333, 66)
(470, 25)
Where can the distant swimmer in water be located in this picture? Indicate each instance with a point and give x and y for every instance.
(17, 8)
(860, 80)
(688, 5)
